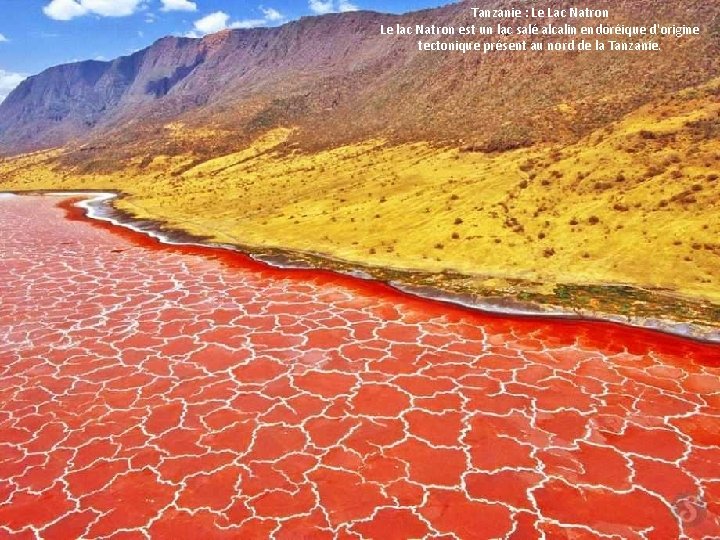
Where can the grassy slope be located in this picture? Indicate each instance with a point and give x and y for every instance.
(637, 202)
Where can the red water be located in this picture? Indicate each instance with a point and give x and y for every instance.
(183, 393)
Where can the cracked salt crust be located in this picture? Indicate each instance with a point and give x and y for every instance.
(160, 393)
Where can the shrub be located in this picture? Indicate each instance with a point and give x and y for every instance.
(507, 138)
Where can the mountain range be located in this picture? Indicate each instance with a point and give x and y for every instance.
(338, 80)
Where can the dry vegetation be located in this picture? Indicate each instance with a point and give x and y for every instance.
(636, 202)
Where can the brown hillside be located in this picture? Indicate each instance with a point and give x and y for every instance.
(338, 81)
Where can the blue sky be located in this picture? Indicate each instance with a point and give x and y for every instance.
(36, 34)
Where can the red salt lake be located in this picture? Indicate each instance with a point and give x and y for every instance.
(179, 392)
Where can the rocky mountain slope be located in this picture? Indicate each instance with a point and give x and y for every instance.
(337, 80)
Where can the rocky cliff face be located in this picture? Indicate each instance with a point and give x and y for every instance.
(76, 100)
(337, 79)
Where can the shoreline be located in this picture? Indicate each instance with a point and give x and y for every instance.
(97, 206)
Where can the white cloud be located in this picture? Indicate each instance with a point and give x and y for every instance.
(344, 6)
(3, 38)
(8, 81)
(215, 22)
(210, 24)
(64, 10)
(248, 23)
(272, 15)
(112, 8)
(178, 5)
(321, 7)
